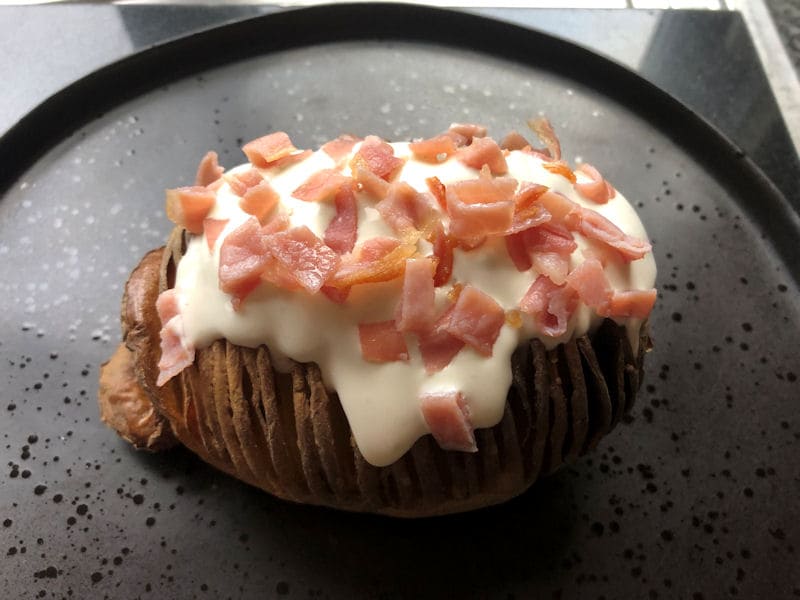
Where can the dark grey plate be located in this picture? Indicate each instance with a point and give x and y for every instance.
(696, 496)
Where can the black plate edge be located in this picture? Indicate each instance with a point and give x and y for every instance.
(55, 119)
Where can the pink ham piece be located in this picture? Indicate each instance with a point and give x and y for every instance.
(480, 207)
(176, 352)
(322, 185)
(589, 280)
(377, 156)
(544, 131)
(188, 206)
(259, 201)
(167, 305)
(484, 151)
(369, 183)
(405, 210)
(415, 311)
(243, 181)
(598, 190)
(550, 305)
(340, 148)
(342, 231)
(264, 151)
(438, 347)
(302, 255)
(290, 159)
(433, 150)
(596, 227)
(381, 342)
(633, 303)
(448, 418)
(208, 171)
(476, 319)
(213, 228)
(243, 256)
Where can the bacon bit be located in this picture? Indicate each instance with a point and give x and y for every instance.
(415, 311)
(544, 131)
(188, 206)
(279, 222)
(438, 349)
(483, 151)
(264, 151)
(213, 228)
(455, 292)
(552, 264)
(438, 190)
(334, 294)
(550, 305)
(243, 256)
(518, 251)
(167, 305)
(381, 342)
(598, 190)
(304, 256)
(241, 182)
(633, 303)
(342, 231)
(514, 318)
(322, 185)
(527, 212)
(560, 168)
(476, 319)
(550, 238)
(406, 210)
(377, 156)
(589, 280)
(259, 201)
(443, 252)
(373, 264)
(176, 352)
(434, 150)
(514, 141)
(558, 205)
(448, 418)
(290, 159)
(215, 186)
(339, 148)
(468, 131)
(371, 184)
(208, 171)
(596, 227)
(479, 207)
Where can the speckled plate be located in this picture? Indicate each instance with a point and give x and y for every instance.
(696, 496)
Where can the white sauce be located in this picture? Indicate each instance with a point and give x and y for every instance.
(381, 401)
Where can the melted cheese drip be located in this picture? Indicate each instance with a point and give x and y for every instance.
(381, 401)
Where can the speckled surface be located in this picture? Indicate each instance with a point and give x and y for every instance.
(695, 496)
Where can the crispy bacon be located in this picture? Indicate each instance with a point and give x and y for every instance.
(480, 207)
(188, 206)
(259, 201)
(514, 141)
(379, 259)
(342, 231)
(434, 150)
(339, 148)
(321, 185)
(415, 311)
(264, 151)
(406, 210)
(528, 212)
(213, 228)
(448, 418)
(370, 184)
(483, 151)
(476, 319)
(589, 280)
(438, 349)
(304, 256)
(544, 131)
(377, 156)
(596, 227)
(243, 181)
(550, 305)
(208, 171)
(243, 256)
(443, 252)
(382, 342)
(598, 190)
(560, 168)
(633, 303)
(438, 190)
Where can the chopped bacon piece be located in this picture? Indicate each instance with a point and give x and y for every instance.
(595, 226)
(518, 251)
(322, 185)
(335, 294)
(339, 148)
(377, 156)
(434, 150)
(447, 416)
(243, 256)
(544, 131)
(514, 141)
(560, 168)
(443, 252)
(476, 319)
(290, 159)
(467, 131)
(484, 151)
(342, 231)
(550, 305)
(550, 247)
(176, 352)
(278, 222)
(550, 238)
(167, 305)
(438, 190)
(208, 171)
(589, 280)
(371, 184)
(480, 207)
(528, 212)
(382, 342)
(438, 348)
(404, 209)
(213, 228)
(415, 311)
(552, 264)
(378, 259)
(264, 151)
(598, 190)
(304, 256)
(558, 205)
(633, 303)
(259, 201)
(188, 206)
(241, 182)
